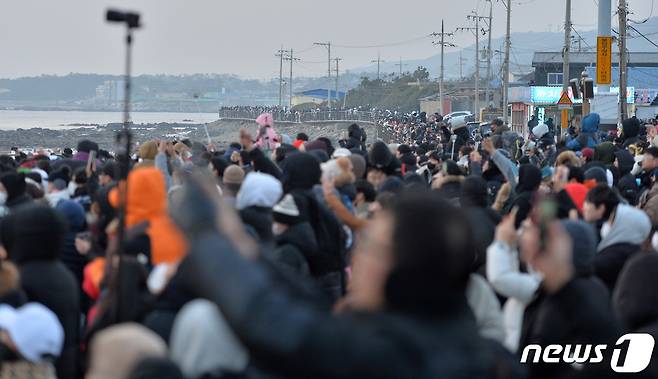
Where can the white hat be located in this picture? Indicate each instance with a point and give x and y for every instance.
(34, 329)
(260, 190)
(286, 206)
(341, 152)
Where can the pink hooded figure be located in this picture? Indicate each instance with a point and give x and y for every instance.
(266, 138)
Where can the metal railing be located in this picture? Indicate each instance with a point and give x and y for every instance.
(299, 117)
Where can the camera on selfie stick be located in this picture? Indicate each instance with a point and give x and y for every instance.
(124, 141)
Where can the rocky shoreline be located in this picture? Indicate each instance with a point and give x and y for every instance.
(222, 132)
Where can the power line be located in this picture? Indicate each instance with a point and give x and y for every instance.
(646, 19)
(581, 37)
(383, 45)
(643, 36)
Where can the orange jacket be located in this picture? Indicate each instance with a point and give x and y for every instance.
(147, 202)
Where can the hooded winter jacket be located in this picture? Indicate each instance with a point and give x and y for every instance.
(33, 238)
(75, 216)
(292, 248)
(629, 230)
(147, 208)
(626, 184)
(630, 131)
(587, 136)
(295, 340)
(529, 180)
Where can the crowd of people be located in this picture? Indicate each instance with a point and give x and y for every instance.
(442, 255)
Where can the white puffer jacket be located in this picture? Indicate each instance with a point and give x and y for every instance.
(506, 278)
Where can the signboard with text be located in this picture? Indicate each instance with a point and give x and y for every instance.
(604, 60)
(551, 95)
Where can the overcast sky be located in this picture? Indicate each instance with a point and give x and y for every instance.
(241, 37)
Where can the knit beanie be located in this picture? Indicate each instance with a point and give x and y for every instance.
(286, 211)
(315, 145)
(596, 173)
(380, 156)
(233, 174)
(61, 177)
(587, 152)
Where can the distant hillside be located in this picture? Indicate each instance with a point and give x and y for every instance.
(85, 91)
(523, 46)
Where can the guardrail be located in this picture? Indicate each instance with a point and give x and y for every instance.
(299, 117)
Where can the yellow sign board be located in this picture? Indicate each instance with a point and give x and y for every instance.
(565, 119)
(604, 60)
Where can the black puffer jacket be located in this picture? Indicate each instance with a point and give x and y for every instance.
(292, 248)
(635, 300)
(579, 313)
(627, 185)
(258, 220)
(609, 262)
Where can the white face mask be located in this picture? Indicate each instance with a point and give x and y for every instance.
(605, 229)
(3, 198)
(277, 229)
(71, 188)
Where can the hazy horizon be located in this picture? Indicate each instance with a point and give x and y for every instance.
(241, 38)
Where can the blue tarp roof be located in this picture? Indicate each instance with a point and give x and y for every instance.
(322, 93)
(638, 77)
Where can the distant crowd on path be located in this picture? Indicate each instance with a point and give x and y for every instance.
(442, 255)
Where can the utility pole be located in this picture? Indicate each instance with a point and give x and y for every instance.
(328, 45)
(280, 55)
(489, 55)
(567, 47)
(378, 60)
(461, 65)
(476, 32)
(477, 67)
(336, 93)
(400, 65)
(290, 58)
(565, 64)
(506, 70)
(623, 19)
(443, 44)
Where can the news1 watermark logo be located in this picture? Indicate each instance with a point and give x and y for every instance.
(631, 353)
